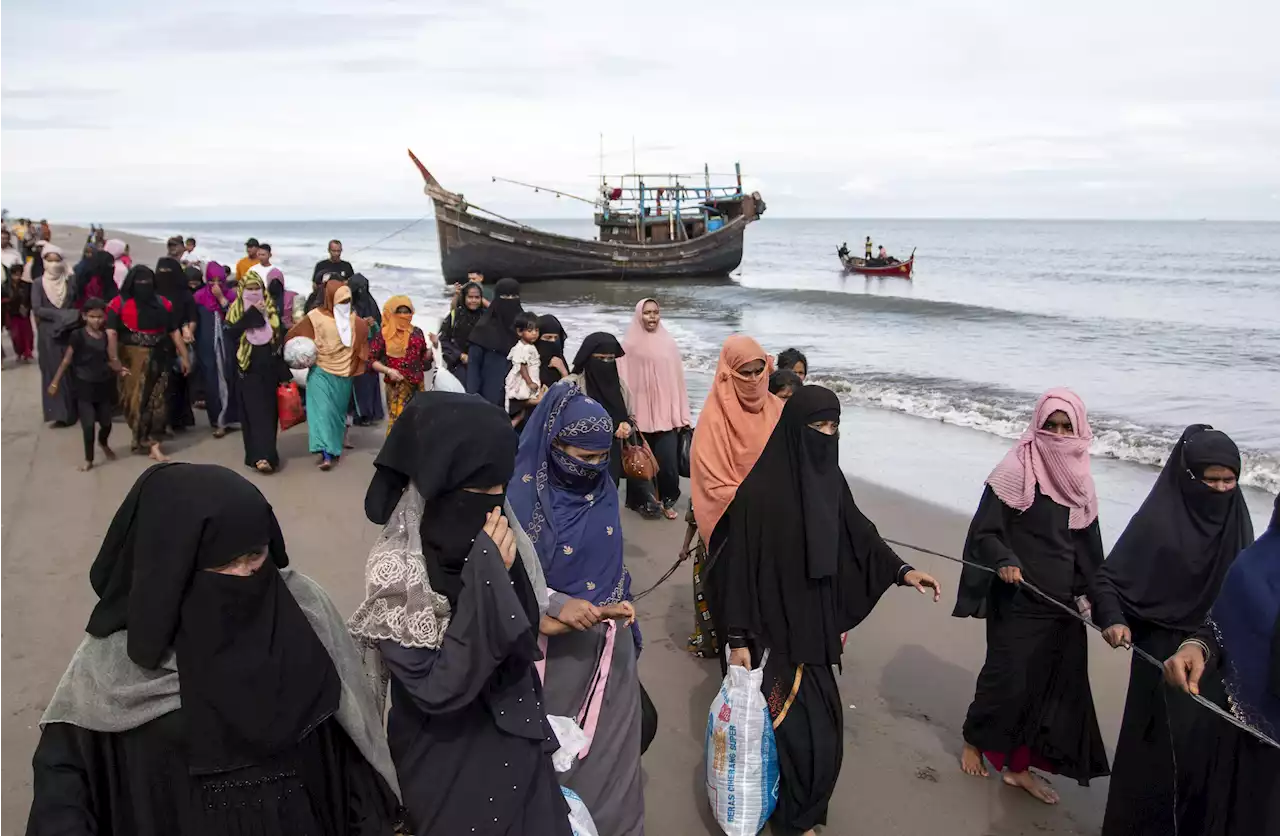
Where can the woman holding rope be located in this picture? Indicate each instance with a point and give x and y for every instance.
(1154, 591)
(1233, 784)
(1039, 516)
(801, 566)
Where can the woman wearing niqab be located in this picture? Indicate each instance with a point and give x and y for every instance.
(53, 301)
(801, 566)
(1231, 785)
(97, 279)
(568, 504)
(171, 283)
(456, 328)
(735, 424)
(491, 340)
(595, 372)
(456, 628)
(342, 352)
(1038, 520)
(217, 691)
(1154, 590)
(551, 338)
(367, 387)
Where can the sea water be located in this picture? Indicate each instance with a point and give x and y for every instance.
(1156, 324)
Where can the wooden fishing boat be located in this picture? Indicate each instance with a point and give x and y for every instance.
(669, 231)
(897, 269)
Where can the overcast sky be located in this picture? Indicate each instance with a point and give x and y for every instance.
(151, 110)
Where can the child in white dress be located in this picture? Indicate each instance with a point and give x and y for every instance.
(522, 387)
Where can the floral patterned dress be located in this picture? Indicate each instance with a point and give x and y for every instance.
(412, 365)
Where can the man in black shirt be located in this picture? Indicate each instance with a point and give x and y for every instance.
(332, 267)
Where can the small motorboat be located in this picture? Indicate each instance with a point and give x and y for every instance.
(889, 268)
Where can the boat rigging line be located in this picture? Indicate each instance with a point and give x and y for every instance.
(538, 188)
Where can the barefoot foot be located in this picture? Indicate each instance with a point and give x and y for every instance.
(1033, 785)
(107, 451)
(157, 454)
(971, 762)
(87, 466)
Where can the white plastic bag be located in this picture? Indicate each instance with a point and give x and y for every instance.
(742, 761)
(442, 380)
(580, 820)
(571, 738)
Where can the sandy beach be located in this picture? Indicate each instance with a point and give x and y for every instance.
(908, 670)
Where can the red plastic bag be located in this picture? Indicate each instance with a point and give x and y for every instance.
(289, 405)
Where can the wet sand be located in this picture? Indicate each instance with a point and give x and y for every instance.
(908, 670)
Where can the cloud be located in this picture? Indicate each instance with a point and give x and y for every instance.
(53, 92)
(15, 122)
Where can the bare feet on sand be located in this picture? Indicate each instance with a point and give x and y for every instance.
(157, 455)
(1033, 785)
(107, 451)
(85, 467)
(971, 762)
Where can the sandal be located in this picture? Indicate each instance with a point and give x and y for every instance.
(264, 466)
(219, 432)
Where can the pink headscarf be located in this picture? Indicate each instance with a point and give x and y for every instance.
(117, 247)
(653, 370)
(214, 273)
(1059, 464)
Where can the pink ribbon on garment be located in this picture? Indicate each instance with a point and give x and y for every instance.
(589, 716)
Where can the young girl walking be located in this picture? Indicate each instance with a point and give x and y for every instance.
(523, 388)
(92, 382)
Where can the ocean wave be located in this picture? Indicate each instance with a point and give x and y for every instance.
(1005, 414)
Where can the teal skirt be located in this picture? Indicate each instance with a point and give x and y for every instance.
(327, 398)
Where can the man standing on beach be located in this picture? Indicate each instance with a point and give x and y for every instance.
(332, 267)
(264, 260)
(250, 259)
(176, 248)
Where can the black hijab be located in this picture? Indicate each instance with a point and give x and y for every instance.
(496, 329)
(548, 324)
(275, 287)
(800, 564)
(140, 287)
(253, 676)
(603, 383)
(444, 442)
(362, 301)
(1168, 565)
(171, 283)
(99, 265)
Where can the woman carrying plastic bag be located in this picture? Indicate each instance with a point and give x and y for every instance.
(742, 761)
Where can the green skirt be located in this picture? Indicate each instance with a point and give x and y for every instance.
(327, 398)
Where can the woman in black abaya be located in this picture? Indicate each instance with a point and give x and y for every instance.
(551, 337)
(491, 340)
(366, 389)
(1154, 591)
(800, 567)
(595, 371)
(171, 283)
(452, 613)
(456, 327)
(217, 691)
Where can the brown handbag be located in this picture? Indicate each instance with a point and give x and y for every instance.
(638, 461)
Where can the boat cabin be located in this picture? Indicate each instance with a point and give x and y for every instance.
(667, 208)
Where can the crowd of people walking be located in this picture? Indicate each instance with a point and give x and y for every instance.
(218, 691)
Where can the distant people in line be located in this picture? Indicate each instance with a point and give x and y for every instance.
(595, 372)
(551, 339)
(254, 336)
(1232, 784)
(400, 353)
(454, 597)
(342, 352)
(217, 690)
(21, 332)
(1154, 591)
(54, 304)
(523, 388)
(735, 424)
(366, 398)
(1038, 519)
(566, 500)
(793, 360)
(92, 382)
(455, 330)
(144, 335)
(783, 384)
(652, 368)
(249, 261)
(491, 340)
(801, 567)
(327, 269)
(212, 301)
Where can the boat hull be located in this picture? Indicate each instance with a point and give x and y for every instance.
(901, 270)
(472, 243)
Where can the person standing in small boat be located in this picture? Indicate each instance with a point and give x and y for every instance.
(1038, 520)
(869, 248)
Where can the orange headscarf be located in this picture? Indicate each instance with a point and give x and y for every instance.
(397, 328)
(734, 426)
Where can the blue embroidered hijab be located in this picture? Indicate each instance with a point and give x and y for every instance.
(569, 508)
(1246, 618)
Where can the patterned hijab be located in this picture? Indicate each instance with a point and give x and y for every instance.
(260, 335)
(569, 508)
(397, 328)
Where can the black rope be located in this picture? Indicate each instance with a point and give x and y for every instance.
(1070, 610)
(684, 555)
